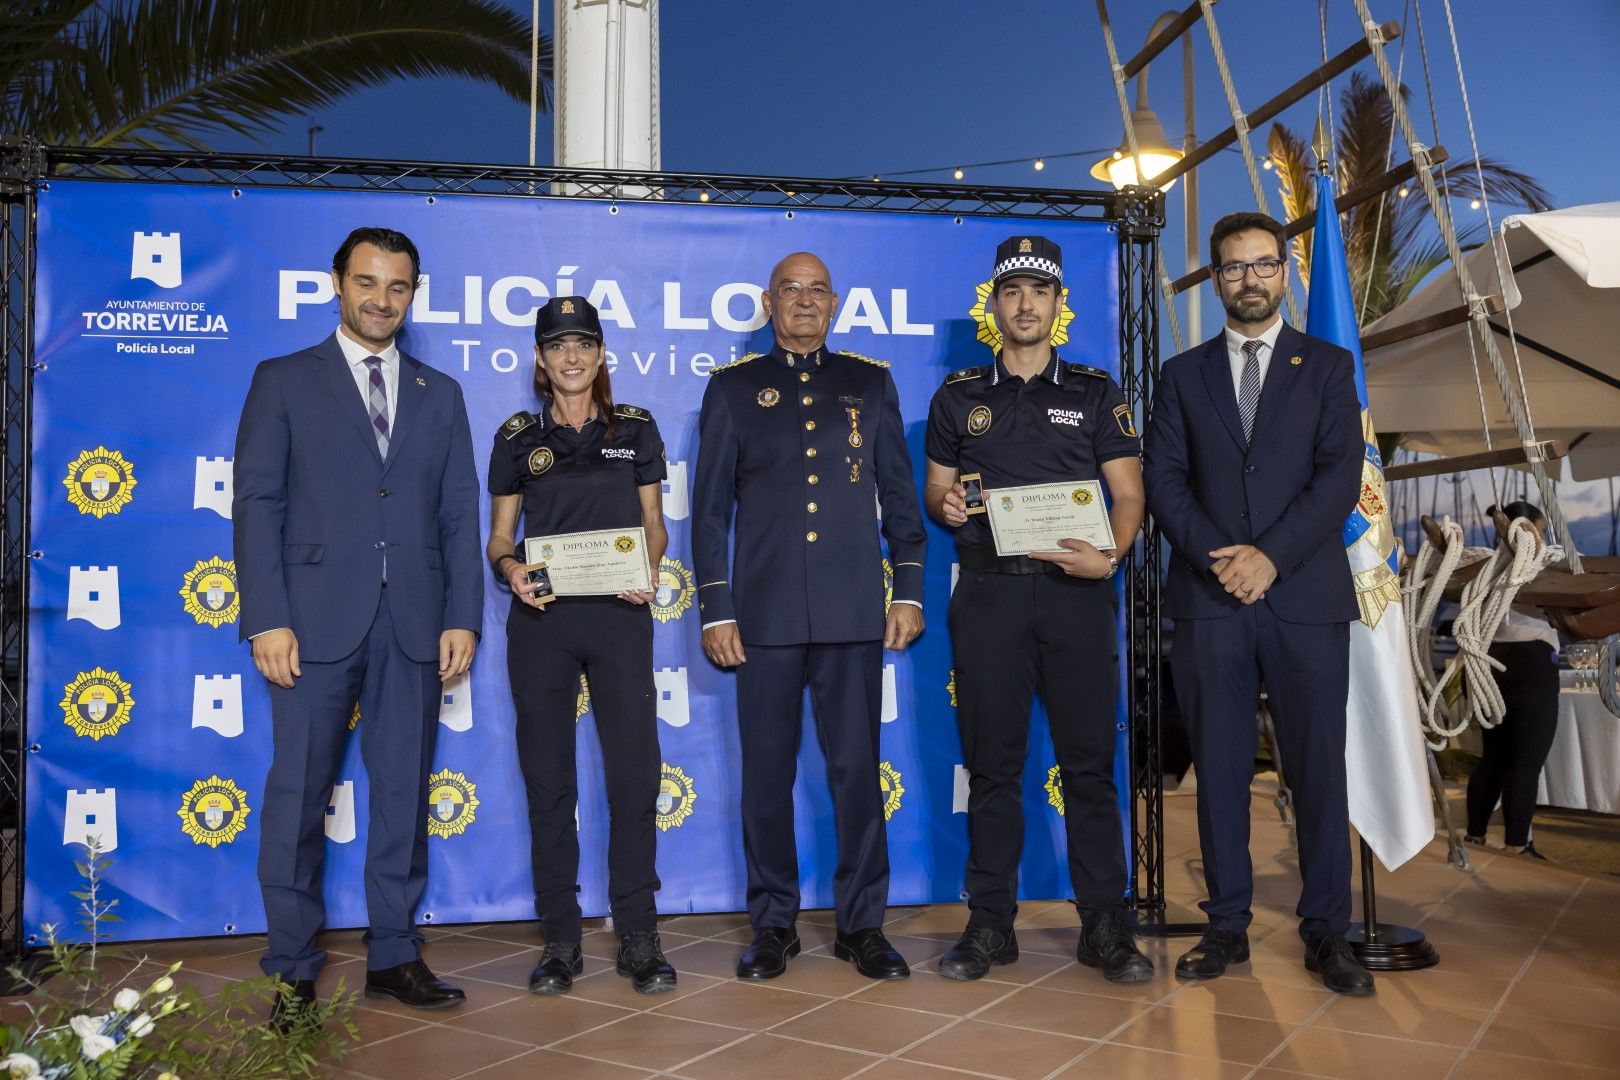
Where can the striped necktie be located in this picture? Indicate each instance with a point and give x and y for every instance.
(1249, 387)
(377, 403)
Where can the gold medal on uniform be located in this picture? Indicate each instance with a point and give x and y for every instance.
(854, 469)
(978, 421)
(972, 492)
(855, 439)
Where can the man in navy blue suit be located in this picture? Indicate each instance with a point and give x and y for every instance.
(1253, 461)
(357, 546)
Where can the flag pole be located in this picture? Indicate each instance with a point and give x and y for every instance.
(1383, 946)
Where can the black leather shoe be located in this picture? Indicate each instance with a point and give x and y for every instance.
(1107, 944)
(871, 953)
(1215, 952)
(555, 972)
(1341, 972)
(414, 985)
(286, 1009)
(641, 960)
(767, 957)
(976, 951)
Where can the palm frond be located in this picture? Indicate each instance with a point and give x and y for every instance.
(167, 72)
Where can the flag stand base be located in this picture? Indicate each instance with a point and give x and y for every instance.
(1168, 920)
(1382, 946)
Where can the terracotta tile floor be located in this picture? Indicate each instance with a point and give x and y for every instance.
(1528, 986)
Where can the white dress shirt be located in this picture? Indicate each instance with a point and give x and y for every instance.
(357, 355)
(1235, 357)
(1524, 623)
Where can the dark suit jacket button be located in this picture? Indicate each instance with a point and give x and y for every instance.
(1243, 513)
(383, 493)
(1248, 468)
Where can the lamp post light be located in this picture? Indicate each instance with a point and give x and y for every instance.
(1157, 154)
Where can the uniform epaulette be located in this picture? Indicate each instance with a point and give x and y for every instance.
(518, 422)
(740, 360)
(631, 412)
(1085, 369)
(868, 359)
(967, 373)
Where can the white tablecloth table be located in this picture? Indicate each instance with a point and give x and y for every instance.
(1583, 769)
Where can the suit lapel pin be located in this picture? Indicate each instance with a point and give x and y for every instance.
(1296, 360)
(423, 382)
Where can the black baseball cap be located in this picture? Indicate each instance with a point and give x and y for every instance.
(1028, 256)
(567, 315)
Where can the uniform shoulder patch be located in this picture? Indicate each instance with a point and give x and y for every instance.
(737, 362)
(867, 359)
(518, 422)
(1085, 369)
(967, 374)
(631, 412)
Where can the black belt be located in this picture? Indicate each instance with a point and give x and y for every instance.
(985, 560)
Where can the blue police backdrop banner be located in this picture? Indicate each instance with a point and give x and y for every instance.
(148, 725)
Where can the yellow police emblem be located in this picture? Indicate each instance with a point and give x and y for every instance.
(582, 700)
(889, 782)
(1006, 502)
(888, 585)
(96, 703)
(100, 482)
(567, 307)
(769, 396)
(1025, 246)
(979, 420)
(1296, 360)
(982, 313)
(673, 592)
(1054, 789)
(1082, 497)
(210, 592)
(540, 460)
(452, 804)
(950, 687)
(214, 811)
(676, 794)
(624, 545)
(1122, 417)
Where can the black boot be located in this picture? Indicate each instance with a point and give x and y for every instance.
(641, 960)
(767, 957)
(555, 972)
(414, 985)
(976, 951)
(1341, 972)
(1107, 944)
(871, 953)
(288, 1007)
(1215, 952)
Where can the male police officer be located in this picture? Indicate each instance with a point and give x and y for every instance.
(805, 443)
(1038, 623)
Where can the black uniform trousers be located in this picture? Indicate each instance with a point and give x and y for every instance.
(846, 689)
(399, 723)
(1015, 636)
(1516, 749)
(1219, 665)
(610, 641)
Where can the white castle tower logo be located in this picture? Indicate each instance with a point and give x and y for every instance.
(213, 488)
(156, 257)
(455, 707)
(340, 813)
(93, 596)
(677, 502)
(216, 702)
(891, 698)
(91, 815)
(673, 707)
(959, 790)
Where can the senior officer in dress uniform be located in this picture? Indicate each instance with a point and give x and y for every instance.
(1043, 623)
(798, 442)
(580, 463)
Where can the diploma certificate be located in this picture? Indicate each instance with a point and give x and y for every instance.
(1035, 517)
(606, 562)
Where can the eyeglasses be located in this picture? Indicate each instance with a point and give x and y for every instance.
(1263, 268)
(791, 290)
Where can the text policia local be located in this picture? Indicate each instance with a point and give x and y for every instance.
(512, 301)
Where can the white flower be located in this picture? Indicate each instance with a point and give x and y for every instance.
(93, 1046)
(141, 1026)
(84, 1026)
(163, 985)
(127, 999)
(19, 1067)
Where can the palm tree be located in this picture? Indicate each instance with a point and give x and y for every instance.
(167, 73)
(1389, 241)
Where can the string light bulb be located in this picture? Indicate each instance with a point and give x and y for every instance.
(958, 173)
(1473, 204)
(1266, 164)
(703, 196)
(1040, 163)
(1404, 191)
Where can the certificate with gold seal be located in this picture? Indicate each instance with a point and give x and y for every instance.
(1036, 516)
(605, 562)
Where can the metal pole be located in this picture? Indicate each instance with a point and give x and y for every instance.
(1189, 193)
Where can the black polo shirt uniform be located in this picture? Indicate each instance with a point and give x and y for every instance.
(806, 450)
(1021, 627)
(576, 481)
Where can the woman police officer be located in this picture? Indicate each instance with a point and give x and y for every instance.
(580, 463)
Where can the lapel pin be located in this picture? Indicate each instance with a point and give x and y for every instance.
(1295, 360)
(423, 382)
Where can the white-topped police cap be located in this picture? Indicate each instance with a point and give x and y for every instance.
(567, 315)
(1028, 256)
